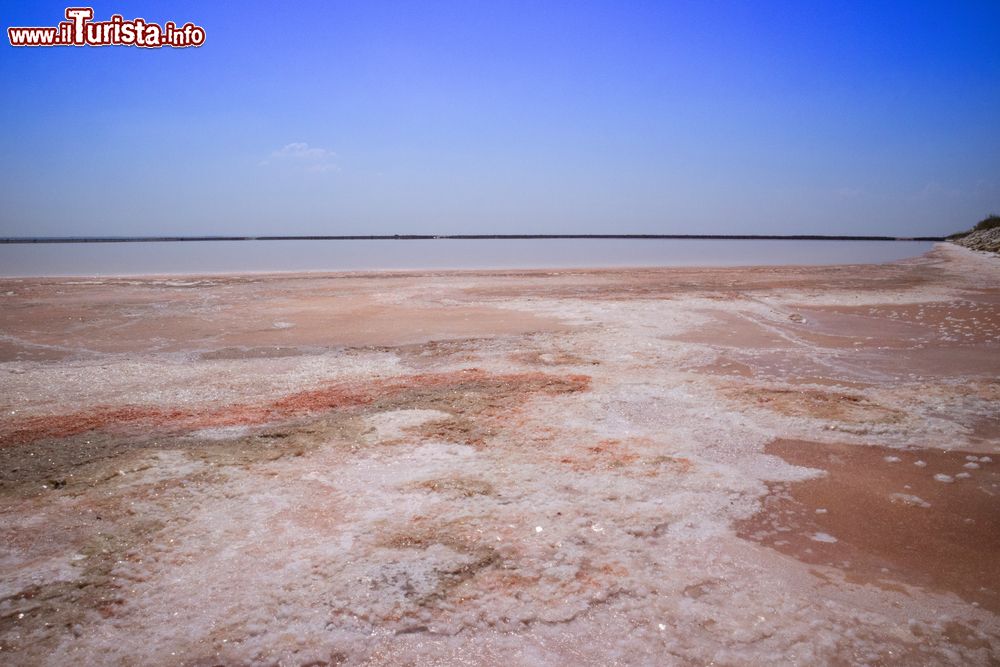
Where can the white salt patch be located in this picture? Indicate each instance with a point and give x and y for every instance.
(909, 499)
(941, 477)
(820, 510)
(445, 452)
(920, 464)
(985, 459)
(221, 432)
(823, 537)
(283, 325)
(170, 283)
(971, 466)
(963, 475)
(892, 459)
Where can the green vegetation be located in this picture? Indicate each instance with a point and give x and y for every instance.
(992, 221)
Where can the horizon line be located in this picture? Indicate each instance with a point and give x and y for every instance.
(472, 237)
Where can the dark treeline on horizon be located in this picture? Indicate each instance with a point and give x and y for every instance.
(474, 237)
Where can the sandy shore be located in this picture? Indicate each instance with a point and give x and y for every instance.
(791, 465)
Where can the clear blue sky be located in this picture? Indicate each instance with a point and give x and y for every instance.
(506, 117)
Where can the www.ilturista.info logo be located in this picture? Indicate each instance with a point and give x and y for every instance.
(80, 30)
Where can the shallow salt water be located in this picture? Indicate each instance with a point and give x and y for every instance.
(77, 259)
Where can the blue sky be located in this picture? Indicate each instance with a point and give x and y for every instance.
(509, 117)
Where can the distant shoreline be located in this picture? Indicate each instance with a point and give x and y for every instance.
(466, 237)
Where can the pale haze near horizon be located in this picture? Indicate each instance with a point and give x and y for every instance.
(505, 118)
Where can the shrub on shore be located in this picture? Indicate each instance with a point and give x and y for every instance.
(992, 221)
(984, 236)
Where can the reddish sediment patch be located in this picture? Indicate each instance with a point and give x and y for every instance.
(817, 404)
(921, 517)
(633, 453)
(972, 321)
(28, 429)
(332, 397)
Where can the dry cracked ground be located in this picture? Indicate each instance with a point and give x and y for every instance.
(793, 465)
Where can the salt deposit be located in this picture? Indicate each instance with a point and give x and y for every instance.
(678, 466)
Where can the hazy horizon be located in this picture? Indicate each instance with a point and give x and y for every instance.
(507, 118)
